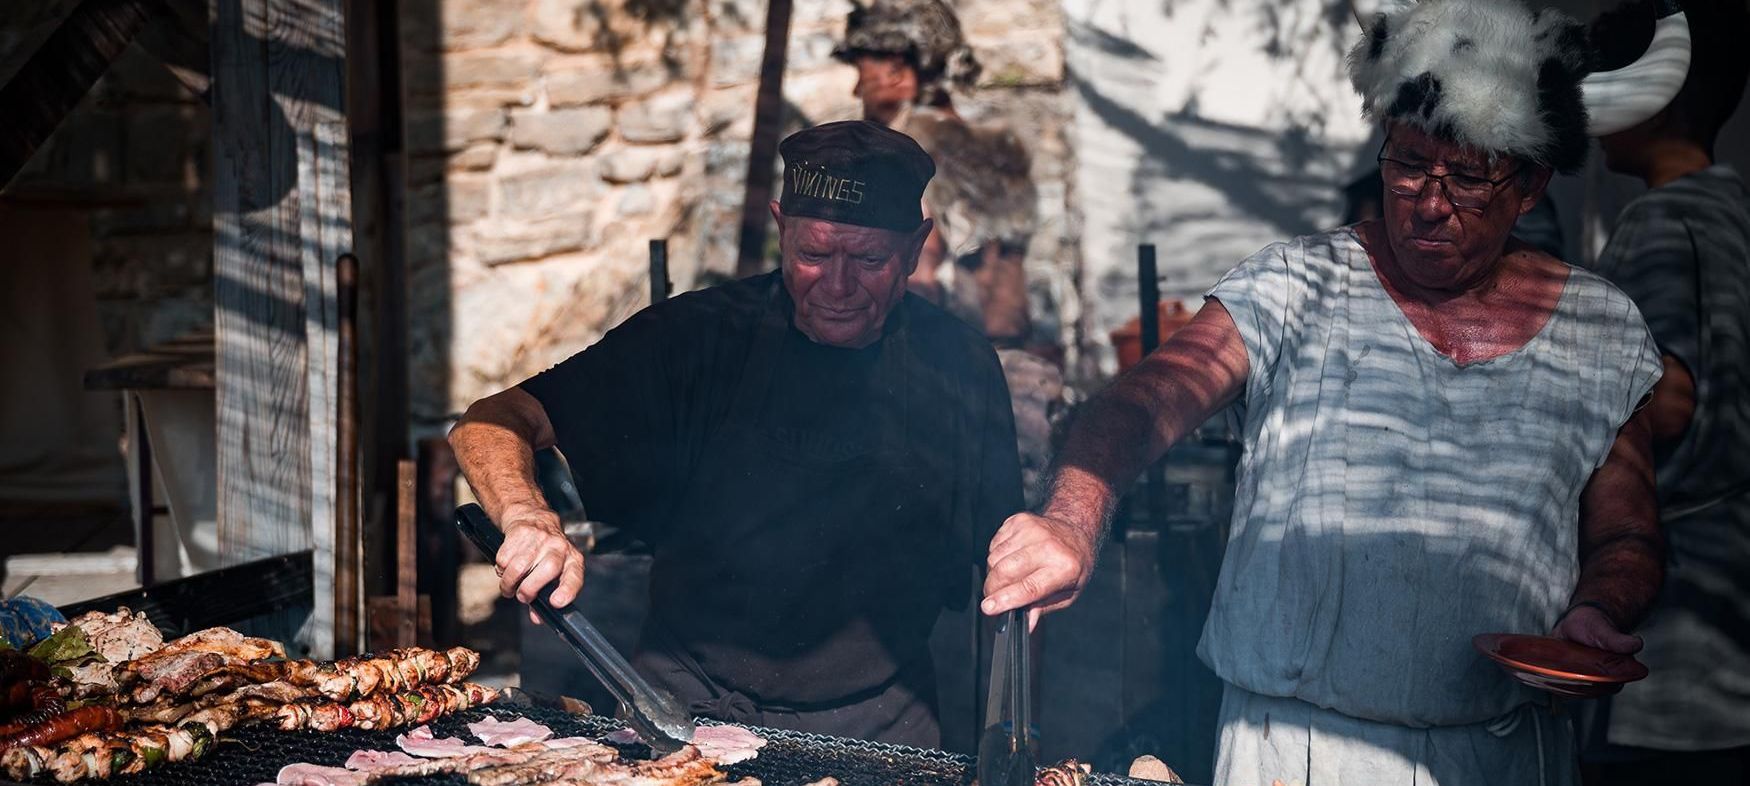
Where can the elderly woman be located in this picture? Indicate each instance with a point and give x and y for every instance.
(1441, 436)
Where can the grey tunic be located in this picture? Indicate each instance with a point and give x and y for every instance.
(1682, 251)
(1392, 503)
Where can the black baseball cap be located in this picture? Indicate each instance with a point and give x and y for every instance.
(855, 172)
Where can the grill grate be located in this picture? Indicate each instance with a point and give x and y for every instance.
(255, 755)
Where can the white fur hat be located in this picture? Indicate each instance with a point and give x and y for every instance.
(1492, 74)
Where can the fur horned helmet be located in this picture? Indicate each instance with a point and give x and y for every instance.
(1503, 78)
(925, 32)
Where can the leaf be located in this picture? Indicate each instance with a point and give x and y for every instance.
(6, 646)
(68, 644)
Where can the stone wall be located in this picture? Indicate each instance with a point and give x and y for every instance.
(547, 147)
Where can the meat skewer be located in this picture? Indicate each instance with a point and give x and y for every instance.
(348, 678)
(384, 710)
(102, 754)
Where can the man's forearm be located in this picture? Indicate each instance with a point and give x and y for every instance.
(495, 443)
(1132, 423)
(1622, 550)
(1622, 577)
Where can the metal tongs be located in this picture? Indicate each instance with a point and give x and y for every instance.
(1006, 753)
(658, 719)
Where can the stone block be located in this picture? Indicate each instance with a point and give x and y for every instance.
(555, 188)
(728, 112)
(736, 60)
(458, 24)
(475, 158)
(630, 165)
(812, 52)
(657, 120)
(809, 13)
(456, 200)
(636, 200)
(499, 242)
(1033, 59)
(570, 25)
(561, 131)
(670, 162)
(453, 130)
(492, 68)
(733, 16)
(591, 79)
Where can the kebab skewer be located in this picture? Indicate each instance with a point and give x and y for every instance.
(383, 710)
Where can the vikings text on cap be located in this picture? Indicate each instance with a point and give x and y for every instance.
(817, 183)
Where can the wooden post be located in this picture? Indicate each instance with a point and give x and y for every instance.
(407, 547)
(282, 215)
(347, 565)
(768, 123)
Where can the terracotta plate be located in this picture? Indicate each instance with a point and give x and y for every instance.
(1560, 667)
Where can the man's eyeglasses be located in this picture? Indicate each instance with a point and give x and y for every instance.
(1463, 191)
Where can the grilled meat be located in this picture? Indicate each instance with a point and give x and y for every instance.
(171, 669)
(102, 754)
(384, 710)
(1068, 772)
(348, 678)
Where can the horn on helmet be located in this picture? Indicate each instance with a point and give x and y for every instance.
(1618, 99)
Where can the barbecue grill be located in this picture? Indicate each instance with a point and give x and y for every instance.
(255, 755)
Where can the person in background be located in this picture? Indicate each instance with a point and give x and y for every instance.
(814, 456)
(1682, 251)
(1442, 427)
(911, 57)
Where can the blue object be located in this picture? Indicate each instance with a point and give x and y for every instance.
(25, 621)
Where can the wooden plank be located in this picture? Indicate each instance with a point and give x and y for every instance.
(281, 218)
(221, 597)
(63, 69)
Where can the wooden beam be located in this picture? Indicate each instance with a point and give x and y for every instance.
(282, 216)
(62, 70)
(768, 124)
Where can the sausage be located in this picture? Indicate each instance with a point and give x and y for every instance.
(45, 703)
(66, 725)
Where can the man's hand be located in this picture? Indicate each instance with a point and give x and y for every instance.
(535, 552)
(1589, 626)
(1038, 562)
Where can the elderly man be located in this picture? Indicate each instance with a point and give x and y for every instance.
(1441, 438)
(814, 456)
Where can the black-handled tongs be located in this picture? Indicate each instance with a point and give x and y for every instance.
(1006, 753)
(658, 719)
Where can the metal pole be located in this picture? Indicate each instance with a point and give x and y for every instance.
(659, 283)
(1149, 297)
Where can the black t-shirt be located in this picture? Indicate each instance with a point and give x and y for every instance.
(811, 508)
